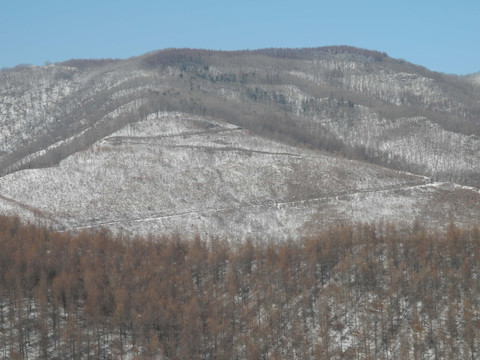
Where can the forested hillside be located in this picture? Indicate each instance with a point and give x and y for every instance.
(318, 203)
(272, 142)
(346, 292)
(360, 103)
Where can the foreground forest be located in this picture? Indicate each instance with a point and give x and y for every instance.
(346, 292)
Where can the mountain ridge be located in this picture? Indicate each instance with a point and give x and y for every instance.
(351, 103)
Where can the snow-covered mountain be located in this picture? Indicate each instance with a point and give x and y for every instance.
(272, 143)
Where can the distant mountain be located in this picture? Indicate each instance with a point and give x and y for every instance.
(264, 142)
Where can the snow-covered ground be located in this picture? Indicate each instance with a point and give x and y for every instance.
(191, 174)
(126, 160)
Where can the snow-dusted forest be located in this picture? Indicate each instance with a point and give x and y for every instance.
(274, 141)
(347, 292)
(278, 203)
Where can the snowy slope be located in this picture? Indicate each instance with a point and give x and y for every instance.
(178, 172)
(238, 143)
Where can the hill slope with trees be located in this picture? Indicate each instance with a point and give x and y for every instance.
(360, 103)
(262, 142)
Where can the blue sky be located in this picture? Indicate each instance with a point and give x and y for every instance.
(440, 35)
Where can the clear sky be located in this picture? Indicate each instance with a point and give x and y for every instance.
(442, 35)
